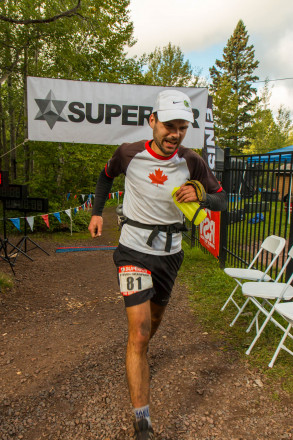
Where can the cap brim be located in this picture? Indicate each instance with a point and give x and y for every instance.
(170, 115)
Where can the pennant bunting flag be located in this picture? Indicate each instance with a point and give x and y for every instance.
(45, 217)
(16, 222)
(31, 221)
(87, 205)
(68, 212)
(57, 215)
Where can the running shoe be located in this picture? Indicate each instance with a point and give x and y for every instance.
(143, 431)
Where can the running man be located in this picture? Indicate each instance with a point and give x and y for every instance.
(149, 253)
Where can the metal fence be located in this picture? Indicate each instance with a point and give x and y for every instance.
(259, 189)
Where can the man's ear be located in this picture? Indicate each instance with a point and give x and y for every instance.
(152, 120)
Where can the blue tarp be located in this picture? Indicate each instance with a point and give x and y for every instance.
(282, 155)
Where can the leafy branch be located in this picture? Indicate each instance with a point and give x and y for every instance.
(70, 13)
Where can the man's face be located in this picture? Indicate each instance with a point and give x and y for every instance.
(167, 135)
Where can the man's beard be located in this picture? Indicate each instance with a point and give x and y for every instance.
(161, 147)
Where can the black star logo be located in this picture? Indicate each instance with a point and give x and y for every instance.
(50, 110)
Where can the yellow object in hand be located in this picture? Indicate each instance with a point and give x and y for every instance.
(191, 210)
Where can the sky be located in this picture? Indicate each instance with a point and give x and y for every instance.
(201, 28)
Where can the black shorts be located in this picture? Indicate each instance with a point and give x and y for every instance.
(162, 269)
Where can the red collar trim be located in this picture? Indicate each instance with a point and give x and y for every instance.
(157, 156)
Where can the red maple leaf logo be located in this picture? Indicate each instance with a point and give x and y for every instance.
(158, 178)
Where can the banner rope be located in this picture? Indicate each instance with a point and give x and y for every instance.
(86, 205)
(26, 140)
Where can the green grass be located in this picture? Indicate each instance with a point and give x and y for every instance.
(209, 288)
(6, 282)
(275, 220)
(61, 236)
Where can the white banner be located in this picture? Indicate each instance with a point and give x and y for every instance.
(101, 113)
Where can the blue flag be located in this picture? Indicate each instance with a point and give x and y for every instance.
(16, 222)
(57, 215)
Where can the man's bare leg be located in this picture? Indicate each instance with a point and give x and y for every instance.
(137, 368)
(143, 322)
(157, 313)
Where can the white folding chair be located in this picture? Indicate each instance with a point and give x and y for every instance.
(286, 310)
(272, 245)
(266, 296)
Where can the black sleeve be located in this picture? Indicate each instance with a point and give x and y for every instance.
(103, 188)
(216, 202)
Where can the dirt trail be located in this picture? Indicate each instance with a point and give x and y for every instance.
(62, 349)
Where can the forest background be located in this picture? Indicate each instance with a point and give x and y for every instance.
(88, 40)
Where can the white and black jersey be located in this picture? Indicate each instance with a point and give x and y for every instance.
(149, 182)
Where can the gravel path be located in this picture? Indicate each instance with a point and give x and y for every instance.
(63, 337)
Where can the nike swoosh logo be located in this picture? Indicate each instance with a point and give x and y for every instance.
(178, 102)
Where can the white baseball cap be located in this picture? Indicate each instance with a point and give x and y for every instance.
(172, 104)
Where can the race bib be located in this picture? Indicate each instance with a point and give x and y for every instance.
(134, 279)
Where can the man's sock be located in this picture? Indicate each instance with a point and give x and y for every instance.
(143, 413)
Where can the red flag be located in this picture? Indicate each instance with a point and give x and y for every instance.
(120, 193)
(110, 195)
(45, 217)
(209, 232)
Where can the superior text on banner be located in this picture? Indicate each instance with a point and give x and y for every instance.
(101, 113)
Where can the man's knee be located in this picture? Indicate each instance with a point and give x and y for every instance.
(157, 313)
(139, 336)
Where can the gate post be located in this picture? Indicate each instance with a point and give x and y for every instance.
(224, 214)
(289, 269)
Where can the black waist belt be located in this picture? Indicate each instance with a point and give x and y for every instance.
(169, 229)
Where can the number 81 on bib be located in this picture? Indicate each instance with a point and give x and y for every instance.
(134, 279)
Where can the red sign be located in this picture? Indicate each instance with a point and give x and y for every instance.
(209, 232)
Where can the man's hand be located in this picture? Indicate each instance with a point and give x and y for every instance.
(186, 193)
(96, 226)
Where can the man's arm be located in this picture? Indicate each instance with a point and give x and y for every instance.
(214, 202)
(103, 188)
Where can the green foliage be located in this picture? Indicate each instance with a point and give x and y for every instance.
(269, 133)
(209, 288)
(232, 80)
(63, 168)
(88, 45)
(225, 104)
(166, 67)
(81, 221)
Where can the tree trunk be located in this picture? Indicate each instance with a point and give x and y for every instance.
(12, 130)
(5, 160)
(26, 146)
(61, 164)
